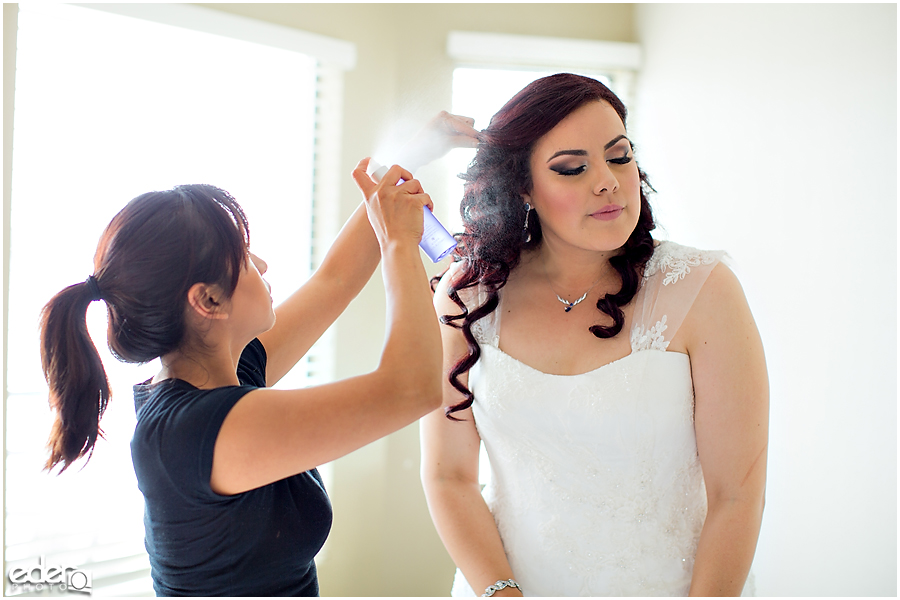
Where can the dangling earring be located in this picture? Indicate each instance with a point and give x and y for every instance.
(526, 235)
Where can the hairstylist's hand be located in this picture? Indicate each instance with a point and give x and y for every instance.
(395, 211)
(440, 135)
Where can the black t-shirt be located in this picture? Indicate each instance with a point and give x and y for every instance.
(258, 543)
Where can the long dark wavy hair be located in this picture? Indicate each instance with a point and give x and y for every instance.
(493, 214)
(147, 259)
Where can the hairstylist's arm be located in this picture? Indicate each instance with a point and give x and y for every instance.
(352, 258)
(450, 474)
(272, 434)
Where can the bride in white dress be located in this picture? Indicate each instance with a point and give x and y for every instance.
(618, 383)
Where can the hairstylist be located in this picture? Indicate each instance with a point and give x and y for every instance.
(233, 502)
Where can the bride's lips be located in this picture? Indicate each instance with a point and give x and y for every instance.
(608, 212)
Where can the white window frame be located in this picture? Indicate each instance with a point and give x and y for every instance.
(620, 61)
(333, 52)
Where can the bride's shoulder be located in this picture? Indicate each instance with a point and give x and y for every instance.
(702, 281)
(675, 261)
(720, 308)
(693, 288)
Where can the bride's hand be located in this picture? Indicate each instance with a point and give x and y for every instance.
(440, 135)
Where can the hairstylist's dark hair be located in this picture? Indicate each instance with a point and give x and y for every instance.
(149, 256)
(493, 212)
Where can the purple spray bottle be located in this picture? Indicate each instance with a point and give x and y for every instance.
(436, 241)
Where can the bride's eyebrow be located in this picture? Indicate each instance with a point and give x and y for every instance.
(569, 153)
(614, 141)
(608, 145)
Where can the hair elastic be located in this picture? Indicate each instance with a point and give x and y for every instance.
(91, 282)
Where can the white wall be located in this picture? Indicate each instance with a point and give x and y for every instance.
(770, 131)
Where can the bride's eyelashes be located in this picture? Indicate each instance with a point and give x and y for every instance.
(622, 160)
(569, 172)
(627, 153)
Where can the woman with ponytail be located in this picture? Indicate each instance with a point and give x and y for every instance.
(233, 502)
(618, 383)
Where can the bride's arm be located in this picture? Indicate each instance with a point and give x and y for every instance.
(731, 419)
(450, 476)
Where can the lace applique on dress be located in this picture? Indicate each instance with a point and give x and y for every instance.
(676, 261)
(650, 339)
(485, 332)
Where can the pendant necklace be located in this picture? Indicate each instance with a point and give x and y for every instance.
(569, 305)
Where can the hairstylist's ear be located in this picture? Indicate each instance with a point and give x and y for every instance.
(205, 300)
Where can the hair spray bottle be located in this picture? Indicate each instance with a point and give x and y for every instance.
(436, 241)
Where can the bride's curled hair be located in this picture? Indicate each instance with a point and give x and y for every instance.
(493, 210)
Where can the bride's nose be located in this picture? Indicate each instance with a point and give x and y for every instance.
(605, 180)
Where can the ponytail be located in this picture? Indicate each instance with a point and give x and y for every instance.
(79, 388)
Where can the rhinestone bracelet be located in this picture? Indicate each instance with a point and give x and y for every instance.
(489, 591)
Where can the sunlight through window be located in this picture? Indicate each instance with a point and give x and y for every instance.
(108, 107)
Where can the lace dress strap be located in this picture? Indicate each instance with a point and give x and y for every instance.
(487, 330)
(672, 280)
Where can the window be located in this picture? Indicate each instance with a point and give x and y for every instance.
(109, 106)
(491, 68)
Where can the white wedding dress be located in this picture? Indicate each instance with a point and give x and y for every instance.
(596, 487)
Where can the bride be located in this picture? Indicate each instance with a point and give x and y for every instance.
(618, 383)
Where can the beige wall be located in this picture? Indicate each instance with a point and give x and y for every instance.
(383, 542)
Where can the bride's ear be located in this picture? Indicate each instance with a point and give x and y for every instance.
(207, 301)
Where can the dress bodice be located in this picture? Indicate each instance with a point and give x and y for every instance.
(596, 486)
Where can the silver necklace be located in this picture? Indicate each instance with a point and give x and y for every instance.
(569, 305)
